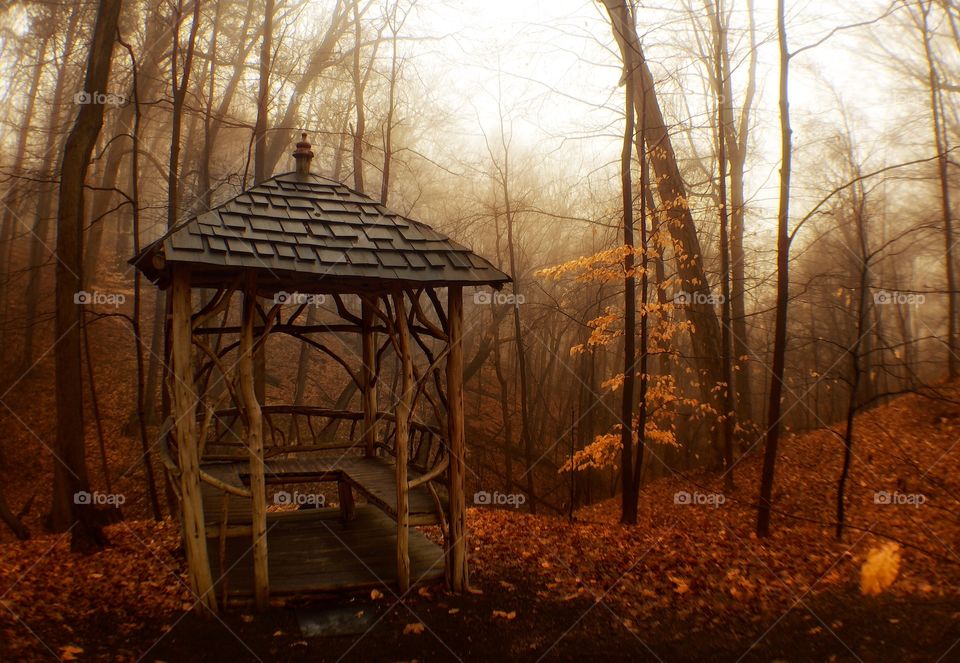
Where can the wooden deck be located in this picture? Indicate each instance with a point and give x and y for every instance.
(373, 480)
(313, 551)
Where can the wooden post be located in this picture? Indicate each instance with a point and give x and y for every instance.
(184, 408)
(457, 528)
(369, 393)
(347, 505)
(258, 492)
(402, 441)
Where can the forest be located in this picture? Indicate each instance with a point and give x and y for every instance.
(429, 330)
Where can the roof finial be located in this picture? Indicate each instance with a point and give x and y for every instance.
(303, 154)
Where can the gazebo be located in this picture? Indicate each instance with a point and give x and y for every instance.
(292, 242)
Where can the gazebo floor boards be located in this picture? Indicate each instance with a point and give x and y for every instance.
(314, 551)
(373, 479)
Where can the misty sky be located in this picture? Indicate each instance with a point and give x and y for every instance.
(554, 68)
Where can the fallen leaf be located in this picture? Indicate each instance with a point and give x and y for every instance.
(69, 652)
(880, 569)
(416, 628)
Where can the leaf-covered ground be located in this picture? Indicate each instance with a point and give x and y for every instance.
(688, 582)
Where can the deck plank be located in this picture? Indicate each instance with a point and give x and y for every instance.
(313, 551)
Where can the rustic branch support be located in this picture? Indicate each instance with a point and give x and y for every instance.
(456, 540)
(184, 406)
(402, 444)
(251, 404)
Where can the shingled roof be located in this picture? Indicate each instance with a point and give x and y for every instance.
(306, 230)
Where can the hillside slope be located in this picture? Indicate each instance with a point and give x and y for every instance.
(689, 581)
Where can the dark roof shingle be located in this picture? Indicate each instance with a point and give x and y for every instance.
(291, 228)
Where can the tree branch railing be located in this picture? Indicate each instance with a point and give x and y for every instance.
(304, 429)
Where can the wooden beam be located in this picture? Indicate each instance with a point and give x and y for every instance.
(403, 443)
(456, 545)
(367, 379)
(251, 405)
(184, 411)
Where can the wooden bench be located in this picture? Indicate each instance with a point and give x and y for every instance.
(374, 478)
(310, 444)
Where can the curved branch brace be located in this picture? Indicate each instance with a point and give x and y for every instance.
(368, 377)
(326, 350)
(344, 312)
(271, 319)
(218, 303)
(432, 328)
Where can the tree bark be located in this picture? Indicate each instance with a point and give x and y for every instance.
(70, 468)
(940, 138)
(41, 219)
(728, 413)
(783, 286)
(263, 98)
(623, 21)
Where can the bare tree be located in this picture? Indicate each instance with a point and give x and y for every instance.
(783, 284)
(70, 470)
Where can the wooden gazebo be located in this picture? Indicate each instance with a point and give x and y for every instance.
(294, 241)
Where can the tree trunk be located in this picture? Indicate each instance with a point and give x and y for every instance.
(263, 98)
(783, 286)
(736, 147)
(360, 127)
(525, 439)
(705, 333)
(623, 22)
(41, 222)
(727, 394)
(70, 468)
(940, 142)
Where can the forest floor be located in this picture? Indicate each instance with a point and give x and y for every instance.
(690, 581)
